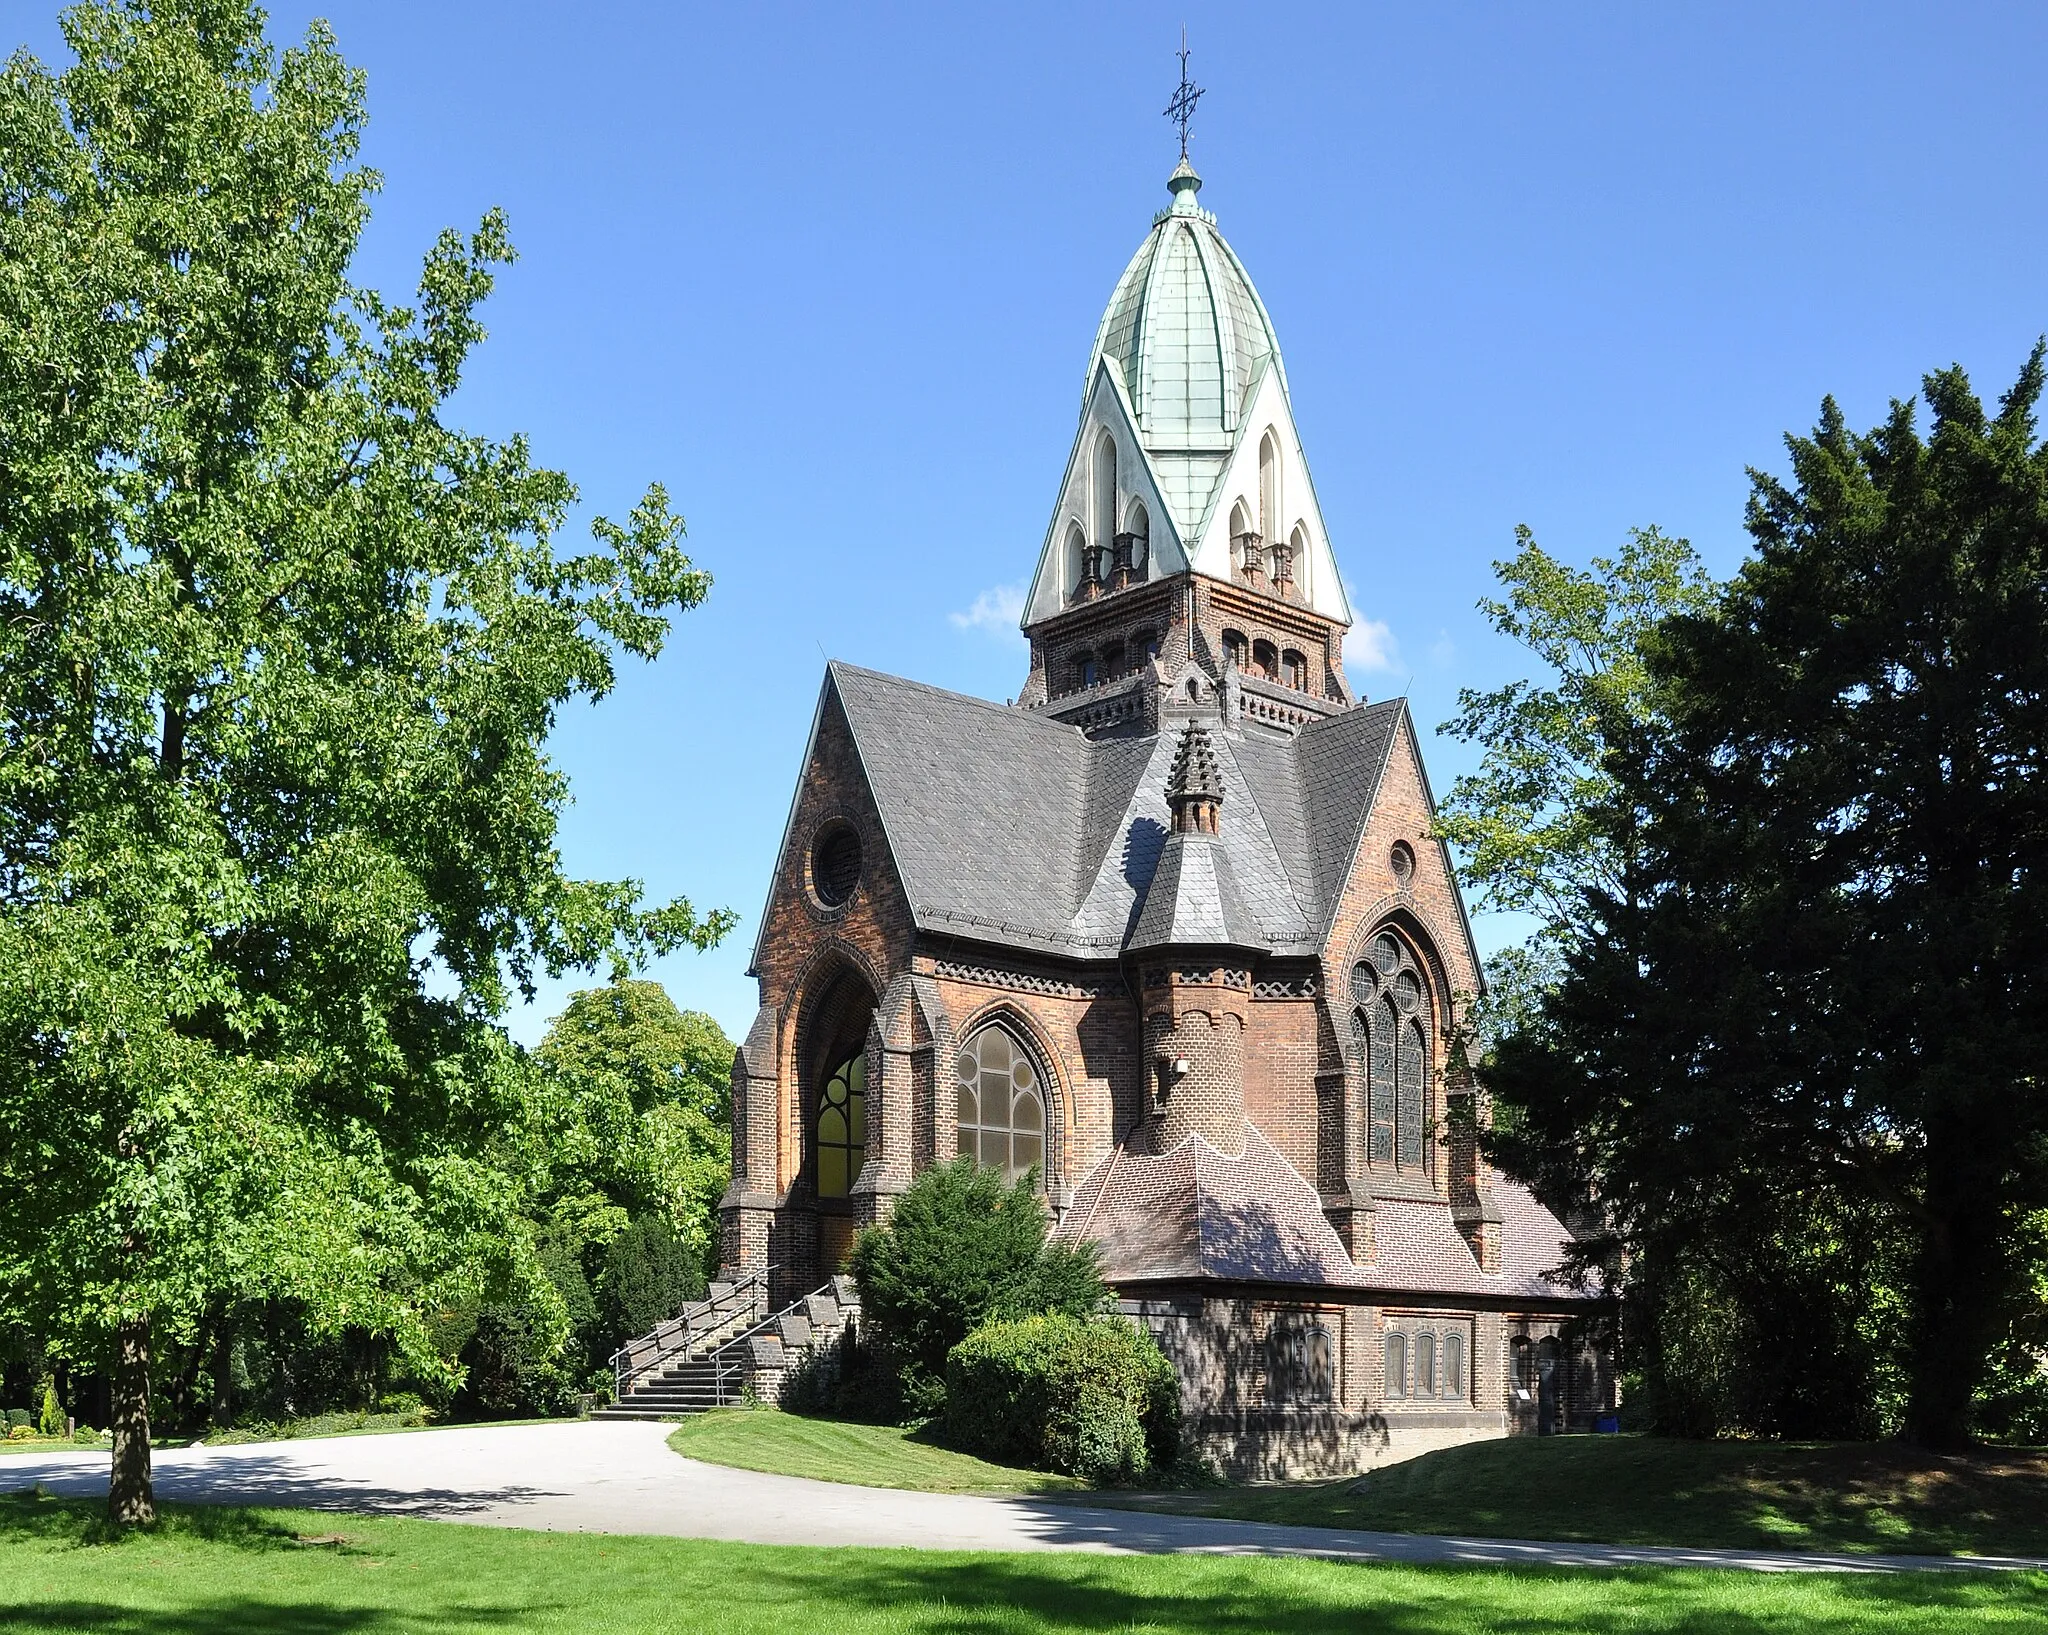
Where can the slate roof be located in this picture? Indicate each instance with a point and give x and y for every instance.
(1195, 1213)
(1011, 827)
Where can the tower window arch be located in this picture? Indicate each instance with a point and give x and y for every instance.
(1236, 649)
(1112, 660)
(1144, 645)
(1391, 1027)
(1002, 1104)
(1105, 492)
(1076, 553)
(1269, 485)
(1298, 540)
(1138, 524)
(1266, 660)
(1246, 557)
(1087, 670)
(1294, 670)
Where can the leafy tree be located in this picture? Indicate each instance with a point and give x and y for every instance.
(1532, 826)
(280, 650)
(646, 1109)
(962, 1247)
(1822, 978)
(649, 1275)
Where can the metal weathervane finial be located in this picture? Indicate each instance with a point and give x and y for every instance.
(1181, 110)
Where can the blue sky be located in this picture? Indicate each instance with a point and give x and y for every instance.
(832, 274)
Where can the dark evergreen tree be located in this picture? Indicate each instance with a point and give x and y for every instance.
(1811, 1028)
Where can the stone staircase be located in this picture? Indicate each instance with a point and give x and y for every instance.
(725, 1348)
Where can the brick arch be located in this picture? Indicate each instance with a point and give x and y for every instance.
(832, 1008)
(1400, 912)
(1026, 1029)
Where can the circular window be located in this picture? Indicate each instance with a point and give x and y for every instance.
(835, 864)
(1386, 953)
(1402, 862)
(1407, 992)
(1364, 982)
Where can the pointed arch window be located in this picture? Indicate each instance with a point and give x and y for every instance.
(1269, 486)
(1002, 1104)
(1391, 1027)
(1076, 553)
(1298, 551)
(1396, 1367)
(842, 1126)
(1139, 526)
(1105, 493)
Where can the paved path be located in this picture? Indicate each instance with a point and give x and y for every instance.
(621, 1477)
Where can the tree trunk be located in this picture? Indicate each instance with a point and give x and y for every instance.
(131, 1500)
(1958, 1283)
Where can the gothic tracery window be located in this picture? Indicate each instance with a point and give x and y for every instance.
(1391, 1025)
(1002, 1105)
(842, 1126)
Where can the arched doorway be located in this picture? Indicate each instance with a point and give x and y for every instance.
(833, 1090)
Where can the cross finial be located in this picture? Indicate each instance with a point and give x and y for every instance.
(1181, 110)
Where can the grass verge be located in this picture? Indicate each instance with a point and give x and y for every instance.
(1861, 1498)
(838, 1450)
(269, 1572)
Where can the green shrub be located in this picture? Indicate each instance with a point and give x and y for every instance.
(961, 1248)
(649, 1275)
(52, 1422)
(19, 1416)
(1095, 1399)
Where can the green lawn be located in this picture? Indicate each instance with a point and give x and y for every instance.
(1862, 1497)
(1859, 1497)
(836, 1450)
(203, 1571)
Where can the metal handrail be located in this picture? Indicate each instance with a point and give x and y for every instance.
(727, 1359)
(627, 1368)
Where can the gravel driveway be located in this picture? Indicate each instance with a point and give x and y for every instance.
(621, 1477)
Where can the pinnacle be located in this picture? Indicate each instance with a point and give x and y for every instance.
(1194, 771)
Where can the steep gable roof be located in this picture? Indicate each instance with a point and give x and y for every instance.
(1007, 826)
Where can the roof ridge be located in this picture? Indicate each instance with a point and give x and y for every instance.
(1009, 712)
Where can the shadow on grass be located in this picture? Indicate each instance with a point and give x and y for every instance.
(35, 1518)
(941, 1595)
(242, 1614)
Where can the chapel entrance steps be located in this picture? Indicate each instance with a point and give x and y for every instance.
(725, 1348)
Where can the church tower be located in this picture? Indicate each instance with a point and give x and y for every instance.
(1186, 558)
(1171, 940)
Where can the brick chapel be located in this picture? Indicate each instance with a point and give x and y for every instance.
(1173, 932)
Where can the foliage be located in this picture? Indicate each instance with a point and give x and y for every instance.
(51, 1421)
(963, 1246)
(649, 1275)
(1095, 1399)
(280, 650)
(642, 1113)
(1815, 1002)
(1530, 825)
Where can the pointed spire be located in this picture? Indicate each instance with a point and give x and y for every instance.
(1194, 786)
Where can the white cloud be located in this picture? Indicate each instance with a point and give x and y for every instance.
(1371, 646)
(996, 610)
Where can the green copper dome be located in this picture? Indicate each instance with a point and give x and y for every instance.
(1187, 328)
